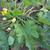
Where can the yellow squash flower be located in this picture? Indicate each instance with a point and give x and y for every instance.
(4, 11)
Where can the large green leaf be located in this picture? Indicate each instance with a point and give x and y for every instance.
(35, 2)
(27, 2)
(30, 42)
(27, 32)
(3, 41)
(31, 29)
(31, 2)
(17, 12)
(45, 43)
(44, 18)
(47, 38)
(48, 4)
(19, 33)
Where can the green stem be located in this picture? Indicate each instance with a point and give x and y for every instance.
(15, 4)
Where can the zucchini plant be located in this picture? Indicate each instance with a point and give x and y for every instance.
(24, 23)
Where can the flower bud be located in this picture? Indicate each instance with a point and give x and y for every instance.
(4, 18)
(13, 20)
(8, 29)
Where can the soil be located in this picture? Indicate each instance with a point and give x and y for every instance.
(25, 48)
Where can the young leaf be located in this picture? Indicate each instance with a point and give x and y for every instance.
(10, 40)
(17, 12)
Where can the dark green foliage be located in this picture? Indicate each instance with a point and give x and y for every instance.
(27, 23)
(3, 41)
